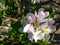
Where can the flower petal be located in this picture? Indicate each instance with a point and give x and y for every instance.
(41, 14)
(46, 14)
(26, 28)
(31, 18)
(41, 9)
(50, 21)
(36, 14)
(41, 20)
(43, 26)
(30, 36)
(38, 35)
(31, 29)
(52, 28)
(47, 37)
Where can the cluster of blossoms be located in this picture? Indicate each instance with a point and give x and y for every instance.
(38, 25)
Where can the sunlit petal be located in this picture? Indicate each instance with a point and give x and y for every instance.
(38, 35)
(26, 28)
(31, 29)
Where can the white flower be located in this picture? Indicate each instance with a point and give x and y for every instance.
(41, 15)
(38, 35)
(41, 29)
(28, 28)
(47, 31)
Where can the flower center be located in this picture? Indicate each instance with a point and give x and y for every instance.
(36, 26)
(46, 31)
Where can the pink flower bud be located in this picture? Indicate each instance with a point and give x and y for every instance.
(31, 18)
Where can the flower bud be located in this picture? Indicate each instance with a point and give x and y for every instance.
(31, 18)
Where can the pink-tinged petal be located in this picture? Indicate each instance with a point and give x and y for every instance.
(43, 26)
(41, 14)
(41, 17)
(50, 21)
(52, 28)
(31, 29)
(41, 20)
(31, 18)
(47, 37)
(46, 14)
(38, 36)
(36, 14)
